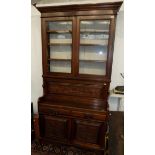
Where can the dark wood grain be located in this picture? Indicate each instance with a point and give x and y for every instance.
(54, 127)
(116, 132)
(78, 89)
(88, 132)
(74, 107)
(106, 7)
(36, 126)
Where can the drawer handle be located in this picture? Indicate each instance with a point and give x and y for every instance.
(104, 84)
(88, 116)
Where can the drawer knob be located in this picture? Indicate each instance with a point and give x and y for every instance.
(88, 116)
(104, 84)
(52, 112)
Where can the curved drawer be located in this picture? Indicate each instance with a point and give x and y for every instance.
(73, 112)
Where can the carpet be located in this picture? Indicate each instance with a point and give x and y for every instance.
(57, 149)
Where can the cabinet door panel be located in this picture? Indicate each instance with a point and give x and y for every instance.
(89, 132)
(93, 49)
(58, 39)
(54, 127)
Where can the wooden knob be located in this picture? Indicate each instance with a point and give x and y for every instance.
(88, 116)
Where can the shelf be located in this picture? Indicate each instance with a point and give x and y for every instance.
(94, 42)
(94, 31)
(59, 31)
(82, 31)
(117, 95)
(101, 61)
(82, 42)
(55, 59)
(87, 44)
(59, 44)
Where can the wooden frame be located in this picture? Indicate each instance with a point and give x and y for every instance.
(76, 44)
(45, 44)
(69, 98)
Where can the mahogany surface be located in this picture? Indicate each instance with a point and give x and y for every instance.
(74, 107)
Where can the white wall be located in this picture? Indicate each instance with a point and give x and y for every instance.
(36, 58)
(118, 59)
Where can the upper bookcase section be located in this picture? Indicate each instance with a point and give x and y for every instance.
(47, 6)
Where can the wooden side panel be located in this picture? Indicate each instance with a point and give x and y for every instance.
(36, 126)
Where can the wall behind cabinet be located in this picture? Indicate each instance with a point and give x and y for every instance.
(118, 59)
(36, 57)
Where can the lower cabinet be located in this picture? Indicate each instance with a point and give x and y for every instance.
(80, 132)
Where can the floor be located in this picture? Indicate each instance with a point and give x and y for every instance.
(116, 136)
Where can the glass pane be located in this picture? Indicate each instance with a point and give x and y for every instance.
(94, 35)
(60, 25)
(60, 66)
(97, 68)
(60, 46)
(60, 52)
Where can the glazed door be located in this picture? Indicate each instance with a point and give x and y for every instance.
(54, 128)
(58, 41)
(89, 133)
(95, 37)
(81, 45)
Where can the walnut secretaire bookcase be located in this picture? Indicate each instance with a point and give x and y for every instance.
(77, 53)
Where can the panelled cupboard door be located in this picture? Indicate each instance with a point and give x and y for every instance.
(54, 128)
(89, 133)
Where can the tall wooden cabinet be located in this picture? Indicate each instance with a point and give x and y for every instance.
(77, 53)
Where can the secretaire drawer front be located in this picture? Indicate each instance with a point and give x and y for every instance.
(54, 111)
(87, 90)
(88, 115)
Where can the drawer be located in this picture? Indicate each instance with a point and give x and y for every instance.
(78, 89)
(72, 112)
(88, 115)
(54, 111)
